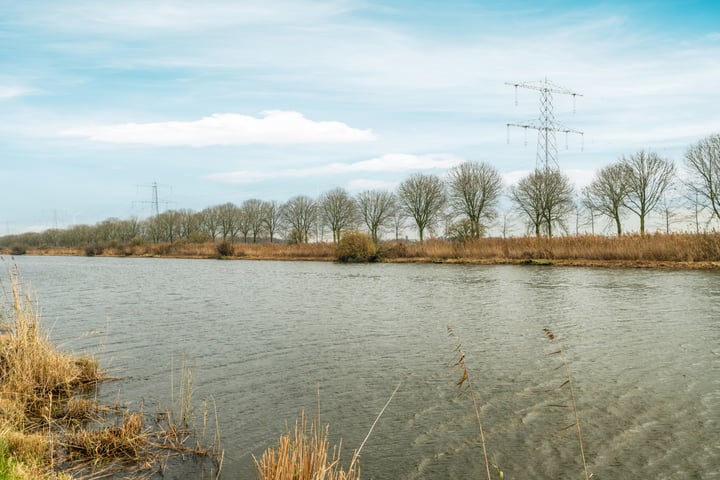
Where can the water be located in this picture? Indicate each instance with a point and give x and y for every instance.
(643, 347)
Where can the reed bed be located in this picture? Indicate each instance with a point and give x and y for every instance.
(628, 249)
(687, 250)
(303, 453)
(51, 420)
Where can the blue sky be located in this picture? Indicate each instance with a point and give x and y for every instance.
(221, 101)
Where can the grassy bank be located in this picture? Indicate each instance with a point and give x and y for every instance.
(658, 250)
(52, 424)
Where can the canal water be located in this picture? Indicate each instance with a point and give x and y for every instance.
(643, 348)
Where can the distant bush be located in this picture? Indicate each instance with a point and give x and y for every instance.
(18, 250)
(225, 249)
(93, 249)
(356, 247)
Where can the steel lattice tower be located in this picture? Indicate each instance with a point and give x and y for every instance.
(546, 124)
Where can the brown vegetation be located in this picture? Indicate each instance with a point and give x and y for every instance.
(678, 250)
(304, 454)
(49, 421)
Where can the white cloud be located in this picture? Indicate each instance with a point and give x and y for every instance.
(132, 17)
(392, 162)
(578, 177)
(11, 91)
(362, 184)
(276, 127)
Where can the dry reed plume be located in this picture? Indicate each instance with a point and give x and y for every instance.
(568, 382)
(465, 381)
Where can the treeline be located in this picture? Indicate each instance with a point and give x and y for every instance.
(460, 206)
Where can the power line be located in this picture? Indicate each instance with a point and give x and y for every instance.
(154, 201)
(546, 124)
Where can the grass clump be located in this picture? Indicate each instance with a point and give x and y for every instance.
(303, 453)
(356, 247)
(49, 422)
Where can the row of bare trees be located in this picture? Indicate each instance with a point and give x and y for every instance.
(464, 202)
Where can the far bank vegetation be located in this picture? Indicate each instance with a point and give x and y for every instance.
(450, 216)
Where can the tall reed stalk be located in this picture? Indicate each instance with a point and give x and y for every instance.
(465, 380)
(568, 382)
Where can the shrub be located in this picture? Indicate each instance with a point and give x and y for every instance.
(356, 247)
(93, 249)
(18, 250)
(225, 249)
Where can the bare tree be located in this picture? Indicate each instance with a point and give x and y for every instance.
(702, 161)
(188, 227)
(546, 198)
(253, 213)
(608, 191)
(272, 218)
(648, 177)
(668, 207)
(337, 211)
(423, 198)
(474, 190)
(228, 218)
(398, 221)
(209, 222)
(376, 209)
(300, 213)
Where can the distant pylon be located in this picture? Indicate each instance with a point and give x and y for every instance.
(546, 124)
(154, 198)
(155, 202)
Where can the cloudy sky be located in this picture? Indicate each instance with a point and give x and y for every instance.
(221, 101)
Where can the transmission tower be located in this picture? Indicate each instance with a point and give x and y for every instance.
(546, 124)
(154, 198)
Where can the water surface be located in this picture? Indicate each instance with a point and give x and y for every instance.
(643, 347)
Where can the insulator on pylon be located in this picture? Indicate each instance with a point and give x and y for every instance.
(516, 95)
(508, 134)
(525, 140)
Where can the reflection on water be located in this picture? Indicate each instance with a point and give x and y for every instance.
(643, 348)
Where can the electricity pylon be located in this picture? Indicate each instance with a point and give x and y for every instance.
(546, 124)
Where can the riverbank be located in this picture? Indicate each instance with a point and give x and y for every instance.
(678, 251)
(52, 423)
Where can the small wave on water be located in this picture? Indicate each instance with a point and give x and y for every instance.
(641, 346)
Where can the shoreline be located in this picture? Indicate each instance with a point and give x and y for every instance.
(487, 261)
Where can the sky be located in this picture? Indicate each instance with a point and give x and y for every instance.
(222, 101)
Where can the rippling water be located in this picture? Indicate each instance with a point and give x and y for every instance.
(643, 346)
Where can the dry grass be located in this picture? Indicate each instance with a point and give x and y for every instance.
(304, 454)
(36, 378)
(701, 250)
(593, 249)
(47, 420)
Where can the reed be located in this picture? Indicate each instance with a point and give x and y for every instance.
(674, 249)
(303, 453)
(626, 250)
(467, 383)
(48, 420)
(569, 383)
